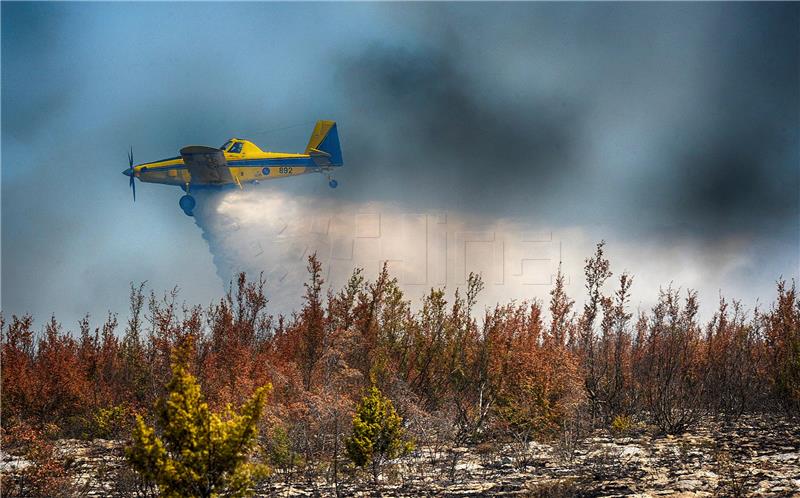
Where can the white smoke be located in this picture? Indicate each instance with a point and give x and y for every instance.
(267, 229)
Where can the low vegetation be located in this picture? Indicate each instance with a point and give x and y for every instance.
(377, 433)
(199, 453)
(357, 375)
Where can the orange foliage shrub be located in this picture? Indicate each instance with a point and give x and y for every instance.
(520, 372)
(782, 325)
(42, 474)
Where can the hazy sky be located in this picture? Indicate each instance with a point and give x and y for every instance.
(650, 125)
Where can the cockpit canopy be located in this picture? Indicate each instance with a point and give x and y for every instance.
(239, 146)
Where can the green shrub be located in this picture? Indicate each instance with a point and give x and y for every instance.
(378, 433)
(278, 449)
(622, 424)
(109, 423)
(199, 453)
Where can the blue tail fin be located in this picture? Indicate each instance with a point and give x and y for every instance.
(323, 146)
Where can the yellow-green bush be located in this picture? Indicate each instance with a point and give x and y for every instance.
(621, 424)
(378, 433)
(110, 422)
(199, 453)
(278, 449)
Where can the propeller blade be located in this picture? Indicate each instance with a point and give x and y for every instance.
(129, 172)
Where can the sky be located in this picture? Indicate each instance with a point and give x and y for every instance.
(669, 130)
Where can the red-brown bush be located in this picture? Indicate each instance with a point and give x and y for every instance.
(520, 372)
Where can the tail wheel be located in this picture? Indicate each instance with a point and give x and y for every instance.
(187, 203)
(333, 183)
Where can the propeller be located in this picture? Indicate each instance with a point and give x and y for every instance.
(129, 172)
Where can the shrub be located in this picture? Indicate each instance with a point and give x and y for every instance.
(378, 434)
(621, 424)
(199, 453)
(783, 334)
(278, 449)
(40, 473)
(111, 422)
(672, 373)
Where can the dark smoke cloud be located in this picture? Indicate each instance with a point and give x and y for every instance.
(716, 86)
(448, 131)
(737, 160)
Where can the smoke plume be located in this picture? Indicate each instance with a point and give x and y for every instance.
(271, 231)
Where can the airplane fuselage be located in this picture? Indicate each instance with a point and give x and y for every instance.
(254, 168)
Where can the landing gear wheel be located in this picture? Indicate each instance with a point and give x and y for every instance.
(187, 203)
(333, 183)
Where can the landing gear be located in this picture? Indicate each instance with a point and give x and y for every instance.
(332, 183)
(187, 203)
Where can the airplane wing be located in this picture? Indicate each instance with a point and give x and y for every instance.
(206, 165)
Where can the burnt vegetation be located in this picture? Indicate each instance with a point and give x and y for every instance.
(511, 375)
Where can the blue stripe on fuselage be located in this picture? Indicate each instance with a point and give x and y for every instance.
(259, 162)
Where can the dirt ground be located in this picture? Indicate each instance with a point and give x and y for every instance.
(755, 456)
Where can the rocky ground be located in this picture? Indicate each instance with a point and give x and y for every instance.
(756, 456)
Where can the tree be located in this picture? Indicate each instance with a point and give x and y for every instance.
(614, 389)
(62, 390)
(535, 384)
(560, 310)
(199, 453)
(17, 369)
(378, 433)
(597, 271)
(732, 362)
(783, 344)
(313, 322)
(671, 363)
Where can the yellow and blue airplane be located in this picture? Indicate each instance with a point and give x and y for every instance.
(239, 162)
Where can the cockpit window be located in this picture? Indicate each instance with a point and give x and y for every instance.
(227, 144)
(237, 148)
